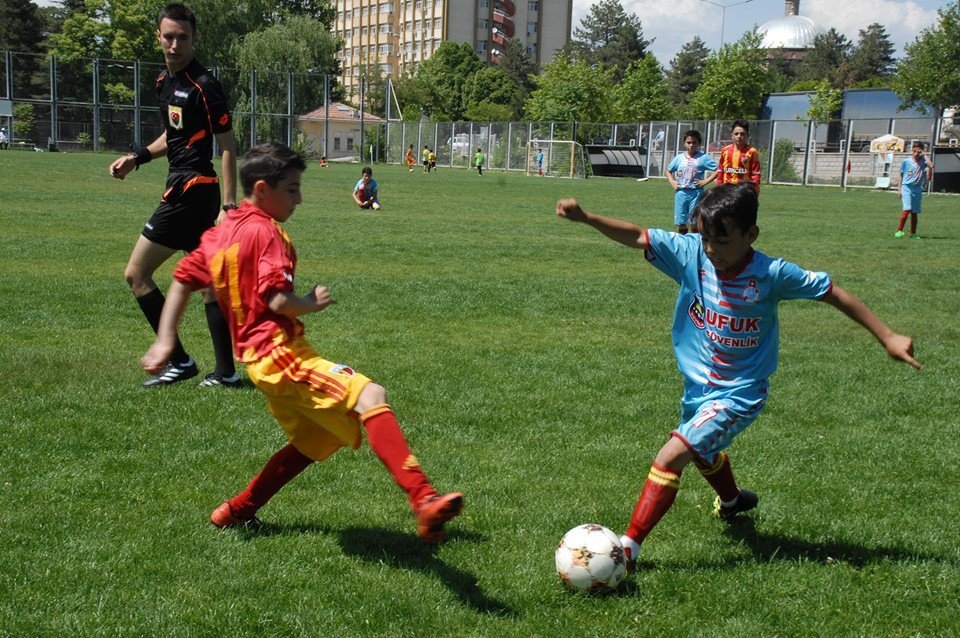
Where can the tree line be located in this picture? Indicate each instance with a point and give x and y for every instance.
(605, 73)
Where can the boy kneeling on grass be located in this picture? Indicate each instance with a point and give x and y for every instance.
(250, 261)
(726, 339)
(366, 192)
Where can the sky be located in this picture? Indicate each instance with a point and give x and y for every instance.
(674, 22)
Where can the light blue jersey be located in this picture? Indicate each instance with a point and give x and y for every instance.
(726, 327)
(687, 170)
(369, 192)
(913, 177)
(726, 335)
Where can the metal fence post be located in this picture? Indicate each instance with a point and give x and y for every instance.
(846, 156)
(326, 116)
(290, 110)
(253, 108)
(137, 104)
(53, 103)
(806, 156)
(509, 142)
(96, 104)
(773, 140)
(363, 95)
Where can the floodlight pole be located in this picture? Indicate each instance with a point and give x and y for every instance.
(723, 17)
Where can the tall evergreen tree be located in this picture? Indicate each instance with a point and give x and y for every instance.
(829, 58)
(686, 71)
(609, 37)
(873, 56)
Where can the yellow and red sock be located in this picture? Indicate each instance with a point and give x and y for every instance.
(390, 446)
(720, 477)
(657, 496)
(279, 470)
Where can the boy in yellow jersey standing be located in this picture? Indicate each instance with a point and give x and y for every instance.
(740, 162)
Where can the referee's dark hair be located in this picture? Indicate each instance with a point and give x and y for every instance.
(735, 204)
(179, 13)
(270, 162)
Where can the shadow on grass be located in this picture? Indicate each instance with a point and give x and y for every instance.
(770, 547)
(399, 550)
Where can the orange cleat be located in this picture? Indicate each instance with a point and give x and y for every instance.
(223, 518)
(434, 512)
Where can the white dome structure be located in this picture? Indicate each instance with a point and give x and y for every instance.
(791, 32)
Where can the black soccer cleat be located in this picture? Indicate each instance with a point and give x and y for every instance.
(745, 502)
(173, 373)
(217, 380)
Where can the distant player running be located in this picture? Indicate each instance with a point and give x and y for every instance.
(322, 406)
(726, 338)
(740, 162)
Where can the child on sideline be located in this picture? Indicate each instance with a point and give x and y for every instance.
(366, 192)
(251, 263)
(725, 335)
(425, 158)
(740, 162)
(433, 161)
(686, 174)
(540, 162)
(323, 162)
(913, 178)
(478, 161)
(411, 160)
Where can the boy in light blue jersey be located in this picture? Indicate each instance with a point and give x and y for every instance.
(913, 179)
(687, 174)
(726, 338)
(366, 193)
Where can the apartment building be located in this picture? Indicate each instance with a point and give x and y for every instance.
(397, 35)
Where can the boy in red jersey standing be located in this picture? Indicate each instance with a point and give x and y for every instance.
(740, 162)
(250, 262)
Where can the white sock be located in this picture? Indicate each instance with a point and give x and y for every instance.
(630, 544)
(730, 503)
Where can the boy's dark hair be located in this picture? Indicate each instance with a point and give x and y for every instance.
(918, 143)
(270, 162)
(178, 13)
(742, 124)
(367, 171)
(695, 134)
(735, 204)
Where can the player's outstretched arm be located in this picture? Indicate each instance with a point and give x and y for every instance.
(159, 353)
(898, 346)
(122, 166)
(290, 305)
(624, 232)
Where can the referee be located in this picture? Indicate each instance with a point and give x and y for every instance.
(194, 110)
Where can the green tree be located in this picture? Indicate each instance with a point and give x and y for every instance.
(825, 104)
(490, 94)
(686, 70)
(642, 94)
(442, 77)
(571, 89)
(609, 37)
(22, 29)
(927, 74)
(873, 56)
(829, 58)
(519, 64)
(734, 81)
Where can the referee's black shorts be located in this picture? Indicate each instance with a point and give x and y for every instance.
(190, 206)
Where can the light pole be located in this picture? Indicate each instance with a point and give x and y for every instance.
(723, 18)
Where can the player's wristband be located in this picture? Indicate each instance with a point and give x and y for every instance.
(228, 207)
(142, 156)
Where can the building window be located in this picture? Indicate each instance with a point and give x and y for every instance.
(336, 143)
(349, 143)
(356, 12)
(533, 5)
(384, 28)
(386, 69)
(483, 4)
(531, 28)
(419, 5)
(481, 46)
(363, 31)
(532, 48)
(437, 24)
(385, 49)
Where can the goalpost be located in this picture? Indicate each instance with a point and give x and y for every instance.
(561, 158)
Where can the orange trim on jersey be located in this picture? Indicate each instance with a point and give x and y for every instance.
(203, 96)
(374, 411)
(200, 179)
(165, 193)
(199, 135)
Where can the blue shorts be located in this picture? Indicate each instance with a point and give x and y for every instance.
(911, 196)
(711, 417)
(683, 202)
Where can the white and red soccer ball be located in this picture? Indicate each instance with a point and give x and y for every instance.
(590, 558)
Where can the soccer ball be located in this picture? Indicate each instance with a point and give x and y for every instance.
(590, 558)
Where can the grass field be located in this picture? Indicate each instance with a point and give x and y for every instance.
(529, 361)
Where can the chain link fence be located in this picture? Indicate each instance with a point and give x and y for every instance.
(103, 104)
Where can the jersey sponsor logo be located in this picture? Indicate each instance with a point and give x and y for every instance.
(288, 276)
(696, 312)
(224, 119)
(175, 115)
(181, 94)
(751, 294)
(735, 170)
(342, 370)
(721, 321)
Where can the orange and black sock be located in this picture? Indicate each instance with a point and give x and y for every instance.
(390, 446)
(657, 496)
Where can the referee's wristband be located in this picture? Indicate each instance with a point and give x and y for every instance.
(142, 156)
(228, 207)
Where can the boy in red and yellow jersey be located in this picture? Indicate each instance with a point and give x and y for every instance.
(250, 262)
(740, 162)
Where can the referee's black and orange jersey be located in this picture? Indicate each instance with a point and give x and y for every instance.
(194, 108)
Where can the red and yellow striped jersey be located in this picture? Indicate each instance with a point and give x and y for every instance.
(739, 166)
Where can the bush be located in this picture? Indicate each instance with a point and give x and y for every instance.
(782, 168)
